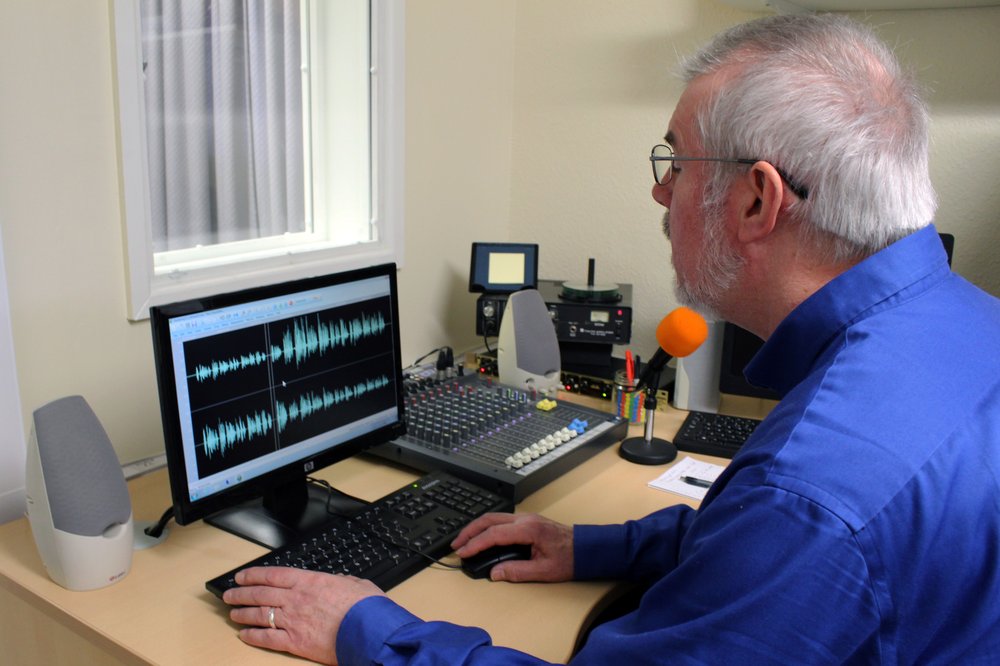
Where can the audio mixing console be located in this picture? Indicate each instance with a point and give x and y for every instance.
(505, 439)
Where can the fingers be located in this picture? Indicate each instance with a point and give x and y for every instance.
(262, 616)
(519, 571)
(480, 525)
(264, 586)
(253, 595)
(292, 610)
(270, 576)
(266, 638)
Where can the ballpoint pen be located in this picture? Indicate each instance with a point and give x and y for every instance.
(694, 481)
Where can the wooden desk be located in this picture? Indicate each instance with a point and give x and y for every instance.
(161, 613)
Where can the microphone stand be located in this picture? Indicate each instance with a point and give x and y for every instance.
(648, 450)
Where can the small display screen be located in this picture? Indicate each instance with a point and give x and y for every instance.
(600, 316)
(503, 268)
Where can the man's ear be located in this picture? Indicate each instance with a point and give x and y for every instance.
(759, 199)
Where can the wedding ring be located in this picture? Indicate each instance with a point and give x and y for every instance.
(270, 617)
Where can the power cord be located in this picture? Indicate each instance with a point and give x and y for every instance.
(156, 531)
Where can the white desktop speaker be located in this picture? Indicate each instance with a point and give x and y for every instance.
(78, 504)
(528, 352)
(696, 386)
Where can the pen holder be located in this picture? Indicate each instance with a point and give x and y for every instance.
(628, 402)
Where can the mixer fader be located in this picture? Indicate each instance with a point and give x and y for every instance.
(510, 440)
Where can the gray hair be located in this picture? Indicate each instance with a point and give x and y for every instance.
(825, 101)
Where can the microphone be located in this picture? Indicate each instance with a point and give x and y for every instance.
(680, 333)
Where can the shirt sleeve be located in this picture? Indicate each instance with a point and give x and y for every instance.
(378, 631)
(762, 576)
(635, 550)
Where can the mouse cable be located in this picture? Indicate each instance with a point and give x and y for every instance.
(411, 549)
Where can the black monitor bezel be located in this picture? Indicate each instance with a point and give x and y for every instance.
(740, 343)
(186, 511)
(480, 254)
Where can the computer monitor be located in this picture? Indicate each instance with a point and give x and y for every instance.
(259, 388)
(738, 347)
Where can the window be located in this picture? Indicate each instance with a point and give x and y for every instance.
(261, 140)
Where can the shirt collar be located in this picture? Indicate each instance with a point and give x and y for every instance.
(911, 263)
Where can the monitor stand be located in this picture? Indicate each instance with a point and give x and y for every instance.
(286, 513)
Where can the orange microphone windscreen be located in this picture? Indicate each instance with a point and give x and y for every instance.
(681, 332)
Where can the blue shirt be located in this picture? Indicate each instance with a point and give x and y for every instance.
(860, 523)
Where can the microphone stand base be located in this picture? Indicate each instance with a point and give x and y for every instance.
(654, 451)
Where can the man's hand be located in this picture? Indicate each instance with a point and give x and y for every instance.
(551, 546)
(305, 607)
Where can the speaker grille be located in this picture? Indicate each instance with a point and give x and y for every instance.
(83, 478)
(534, 334)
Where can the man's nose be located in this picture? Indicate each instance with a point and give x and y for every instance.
(662, 194)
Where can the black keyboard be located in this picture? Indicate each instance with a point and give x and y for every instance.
(714, 434)
(390, 539)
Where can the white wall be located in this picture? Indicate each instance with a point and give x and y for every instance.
(12, 450)
(526, 120)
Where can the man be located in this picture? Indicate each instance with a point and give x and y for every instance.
(861, 522)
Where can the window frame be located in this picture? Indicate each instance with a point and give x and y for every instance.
(146, 286)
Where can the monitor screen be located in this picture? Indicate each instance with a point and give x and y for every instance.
(261, 387)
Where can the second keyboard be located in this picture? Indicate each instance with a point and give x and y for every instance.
(714, 434)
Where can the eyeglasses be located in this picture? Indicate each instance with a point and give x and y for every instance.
(662, 158)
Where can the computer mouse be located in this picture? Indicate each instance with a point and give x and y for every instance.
(480, 564)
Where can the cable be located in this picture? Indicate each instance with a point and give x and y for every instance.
(410, 549)
(331, 492)
(156, 530)
(417, 362)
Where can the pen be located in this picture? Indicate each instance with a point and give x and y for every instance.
(629, 367)
(693, 481)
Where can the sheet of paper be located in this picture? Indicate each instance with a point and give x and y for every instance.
(694, 471)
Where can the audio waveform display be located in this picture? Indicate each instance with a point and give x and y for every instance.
(257, 389)
(311, 403)
(302, 340)
(225, 435)
(299, 342)
(228, 434)
(216, 369)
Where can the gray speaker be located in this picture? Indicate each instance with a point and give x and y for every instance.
(78, 504)
(696, 386)
(528, 351)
